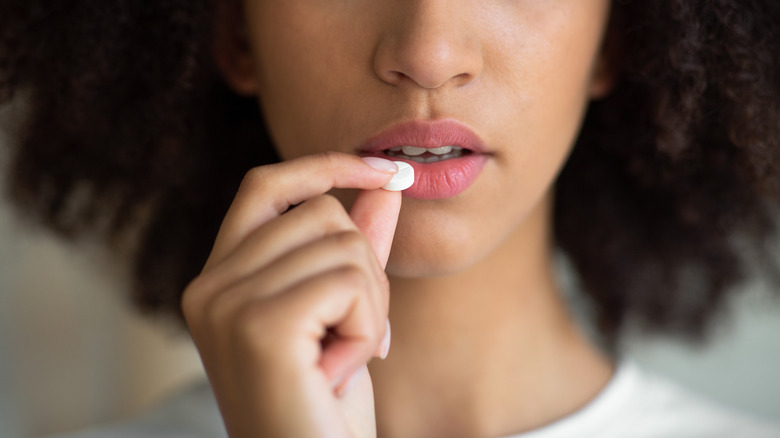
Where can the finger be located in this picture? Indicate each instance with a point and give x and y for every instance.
(310, 221)
(357, 402)
(375, 212)
(337, 251)
(335, 300)
(269, 191)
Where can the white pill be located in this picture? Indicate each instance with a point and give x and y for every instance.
(401, 180)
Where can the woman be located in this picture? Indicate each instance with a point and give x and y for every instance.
(149, 111)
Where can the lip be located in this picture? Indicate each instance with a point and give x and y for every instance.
(442, 179)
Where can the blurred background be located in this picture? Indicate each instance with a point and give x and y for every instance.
(73, 353)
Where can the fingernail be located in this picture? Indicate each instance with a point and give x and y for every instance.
(385, 342)
(381, 164)
(347, 387)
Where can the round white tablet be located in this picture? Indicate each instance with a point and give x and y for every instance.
(401, 180)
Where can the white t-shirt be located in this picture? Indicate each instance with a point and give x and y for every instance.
(635, 404)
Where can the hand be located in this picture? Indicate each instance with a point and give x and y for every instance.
(292, 304)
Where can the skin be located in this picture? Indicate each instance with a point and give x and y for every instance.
(482, 343)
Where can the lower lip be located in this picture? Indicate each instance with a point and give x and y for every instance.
(443, 179)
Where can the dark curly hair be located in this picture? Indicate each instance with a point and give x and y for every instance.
(673, 175)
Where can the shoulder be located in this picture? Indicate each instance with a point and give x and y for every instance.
(192, 413)
(668, 409)
(639, 404)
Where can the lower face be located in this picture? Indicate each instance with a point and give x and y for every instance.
(516, 75)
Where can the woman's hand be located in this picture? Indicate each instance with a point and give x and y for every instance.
(291, 305)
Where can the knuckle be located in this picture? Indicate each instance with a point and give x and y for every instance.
(359, 254)
(255, 179)
(351, 242)
(330, 202)
(356, 249)
(200, 310)
(352, 277)
(327, 206)
(191, 298)
(198, 284)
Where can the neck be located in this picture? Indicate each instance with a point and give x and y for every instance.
(488, 351)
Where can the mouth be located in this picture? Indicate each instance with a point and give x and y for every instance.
(446, 155)
(426, 155)
(424, 140)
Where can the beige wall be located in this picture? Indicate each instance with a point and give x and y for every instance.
(73, 353)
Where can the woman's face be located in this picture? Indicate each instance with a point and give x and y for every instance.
(517, 73)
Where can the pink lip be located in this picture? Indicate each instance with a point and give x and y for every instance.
(439, 180)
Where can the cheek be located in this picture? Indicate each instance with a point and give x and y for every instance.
(549, 81)
(298, 51)
(547, 76)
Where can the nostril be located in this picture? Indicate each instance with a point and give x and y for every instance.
(397, 76)
(392, 77)
(463, 79)
(428, 57)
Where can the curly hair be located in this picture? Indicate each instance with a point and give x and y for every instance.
(673, 172)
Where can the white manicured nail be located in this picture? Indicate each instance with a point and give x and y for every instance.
(385, 343)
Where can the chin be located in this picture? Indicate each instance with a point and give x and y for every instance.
(421, 253)
(424, 267)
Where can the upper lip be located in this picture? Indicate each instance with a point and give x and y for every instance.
(425, 134)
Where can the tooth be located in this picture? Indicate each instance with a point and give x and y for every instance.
(412, 150)
(395, 149)
(441, 151)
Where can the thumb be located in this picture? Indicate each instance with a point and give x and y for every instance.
(375, 212)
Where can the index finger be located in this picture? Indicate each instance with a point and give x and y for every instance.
(268, 191)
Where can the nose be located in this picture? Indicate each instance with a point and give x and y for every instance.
(429, 43)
